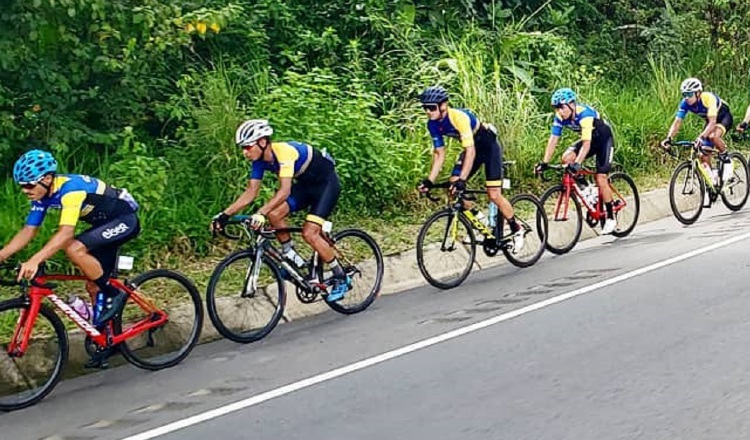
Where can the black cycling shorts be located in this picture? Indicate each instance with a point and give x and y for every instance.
(489, 153)
(602, 146)
(103, 241)
(317, 188)
(724, 119)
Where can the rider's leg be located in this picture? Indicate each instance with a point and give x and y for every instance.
(277, 219)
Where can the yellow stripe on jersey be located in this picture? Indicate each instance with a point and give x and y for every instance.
(286, 155)
(462, 122)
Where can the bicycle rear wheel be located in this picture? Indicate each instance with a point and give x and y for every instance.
(530, 216)
(627, 203)
(687, 190)
(241, 308)
(362, 260)
(735, 191)
(167, 345)
(27, 379)
(446, 249)
(564, 228)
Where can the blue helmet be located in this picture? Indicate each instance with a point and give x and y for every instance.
(563, 96)
(434, 95)
(33, 166)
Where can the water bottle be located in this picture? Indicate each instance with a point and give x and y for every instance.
(492, 214)
(591, 194)
(81, 307)
(727, 172)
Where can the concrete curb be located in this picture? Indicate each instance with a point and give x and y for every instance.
(401, 273)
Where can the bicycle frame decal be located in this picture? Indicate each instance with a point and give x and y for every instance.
(479, 226)
(72, 314)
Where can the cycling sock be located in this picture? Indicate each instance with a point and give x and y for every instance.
(336, 268)
(610, 213)
(513, 225)
(287, 246)
(107, 289)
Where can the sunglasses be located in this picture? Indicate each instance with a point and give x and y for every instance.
(247, 146)
(559, 106)
(29, 185)
(430, 107)
(688, 94)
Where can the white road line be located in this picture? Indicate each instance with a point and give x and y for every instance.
(338, 372)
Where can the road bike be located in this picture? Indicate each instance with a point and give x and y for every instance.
(566, 224)
(693, 187)
(157, 328)
(246, 294)
(446, 243)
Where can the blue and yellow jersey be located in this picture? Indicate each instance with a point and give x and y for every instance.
(459, 124)
(81, 197)
(708, 105)
(290, 159)
(583, 121)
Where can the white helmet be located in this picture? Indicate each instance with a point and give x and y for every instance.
(251, 130)
(691, 85)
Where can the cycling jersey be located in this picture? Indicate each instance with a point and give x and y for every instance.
(459, 124)
(82, 198)
(290, 159)
(708, 105)
(585, 121)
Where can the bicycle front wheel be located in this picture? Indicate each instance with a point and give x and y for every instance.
(245, 302)
(167, 345)
(446, 249)
(530, 216)
(362, 260)
(28, 378)
(735, 191)
(564, 226)
(687, 189)
(627, 203)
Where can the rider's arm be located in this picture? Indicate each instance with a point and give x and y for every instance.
(675, 128)
(710, 126)
(462, 122)
(246, 198)
(19, 241)
(438, 158)
(747, 115)
(587, 132)
(61, 239)
(285, 188)
(551, 145)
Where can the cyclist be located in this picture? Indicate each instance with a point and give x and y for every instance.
(111, 212)
(596, 140)
(307, 179)
(712, 109)
(481, 147)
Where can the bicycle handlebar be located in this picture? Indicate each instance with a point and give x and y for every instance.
(465, 194)
(12, 282)
(559, 169)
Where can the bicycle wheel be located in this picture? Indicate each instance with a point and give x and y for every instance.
(27, 379)
(686, 193)
(446, 249)
(735, 191)
(245, 305)
(361, 259)
(627, 203)
(167, 345)
(531, 217)
(564, 228)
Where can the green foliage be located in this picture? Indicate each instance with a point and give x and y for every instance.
(147, 93)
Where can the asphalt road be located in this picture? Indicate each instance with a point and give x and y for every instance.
(638, 338)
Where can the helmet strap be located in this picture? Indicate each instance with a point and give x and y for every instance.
(44, 185)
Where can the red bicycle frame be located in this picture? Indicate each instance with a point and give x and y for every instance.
(40, 290)
(596, 212)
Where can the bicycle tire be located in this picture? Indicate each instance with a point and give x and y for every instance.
(553, 232)
(60, 361)
(343, 306)
(673, 204)
(472, 249)
(729, 204)
(128, 349)
(623, 231)
(244, 337)
(539, 222)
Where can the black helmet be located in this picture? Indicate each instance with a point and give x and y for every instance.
(434, 95)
